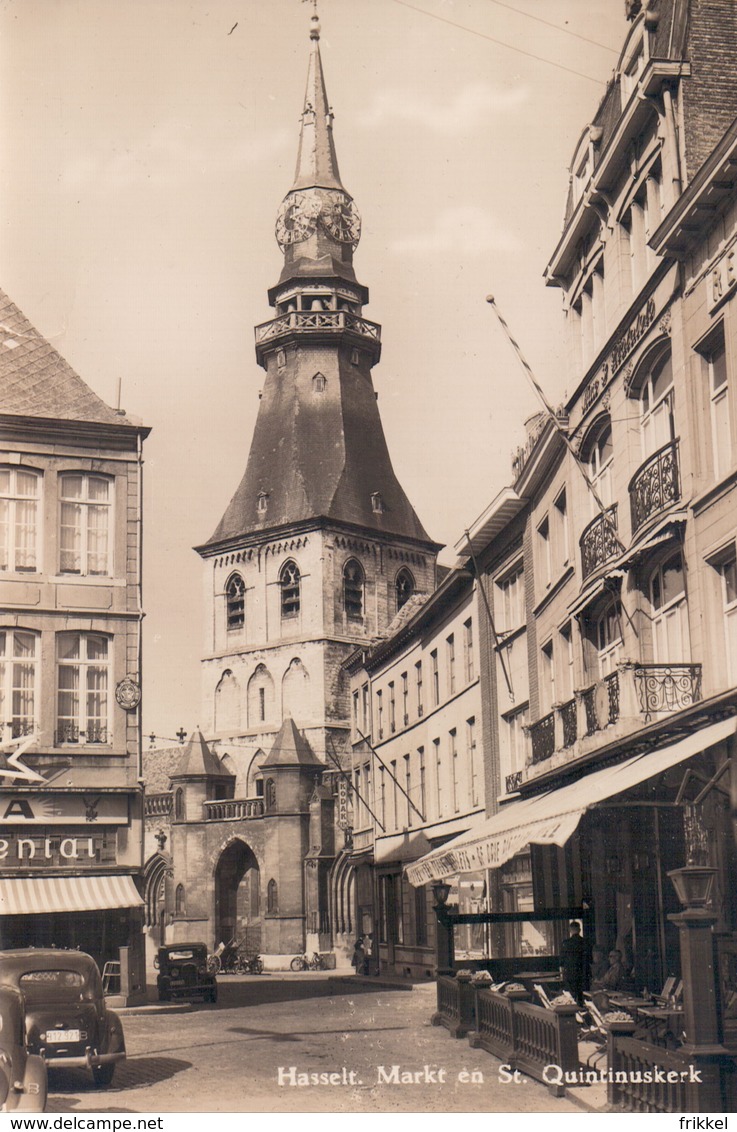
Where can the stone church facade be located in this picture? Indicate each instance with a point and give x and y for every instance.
(315, 555)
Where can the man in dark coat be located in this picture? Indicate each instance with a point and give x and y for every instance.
(573, 961)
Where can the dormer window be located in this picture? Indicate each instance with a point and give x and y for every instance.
(262, 502)
(318, 383)
(377, 503)
(632, 60)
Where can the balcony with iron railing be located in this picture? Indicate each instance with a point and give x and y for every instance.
(232, 809)
(93, 733)
(655, 485)
(617, 705)
(599, 541)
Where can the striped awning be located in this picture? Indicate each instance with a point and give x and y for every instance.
(28, 896)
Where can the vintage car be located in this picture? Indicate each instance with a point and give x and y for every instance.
(66, 1019)
(22, 1074)
(183, 973)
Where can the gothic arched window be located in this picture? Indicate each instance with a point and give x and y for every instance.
(353, 579)
(272, 897)
(289, 580)
(270, 794)
(404, 585)
(179, 805)
(179, 901)
(235, 602)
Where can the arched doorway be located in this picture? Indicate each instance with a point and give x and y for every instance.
(238, 897)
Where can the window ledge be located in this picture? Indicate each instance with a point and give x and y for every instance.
(553, 589)
(505, 637)
(714, 491)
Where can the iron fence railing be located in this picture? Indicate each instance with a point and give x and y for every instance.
(667, 687)
(542, 737)
(599, 541)
(654, 485)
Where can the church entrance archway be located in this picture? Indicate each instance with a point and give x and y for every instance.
(238, 897)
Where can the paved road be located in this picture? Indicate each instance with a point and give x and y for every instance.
(228, 1057)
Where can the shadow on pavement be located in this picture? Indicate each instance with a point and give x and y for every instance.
(299, 1035)
(134, 1073)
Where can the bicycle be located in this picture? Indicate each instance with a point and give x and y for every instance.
(314, 963)
(250, 965)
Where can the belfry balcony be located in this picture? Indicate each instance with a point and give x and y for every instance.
(599, 542)
(321, 324)
(655, 485)
(618, 705)
(233, 809)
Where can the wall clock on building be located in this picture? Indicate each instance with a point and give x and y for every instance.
(296, 218)
(128, 693)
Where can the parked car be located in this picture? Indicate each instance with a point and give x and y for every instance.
(23, 1085)
(67, 1021)
(183, 973)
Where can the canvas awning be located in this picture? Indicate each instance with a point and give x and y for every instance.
(27, 896)
(551, 818)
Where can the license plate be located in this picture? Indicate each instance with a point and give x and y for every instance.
(62, 1035)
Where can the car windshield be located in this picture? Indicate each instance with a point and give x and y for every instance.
(40, 985)
(178, 956)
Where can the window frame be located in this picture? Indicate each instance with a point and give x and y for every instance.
(21, 722)
(85, 531)
(83, 716)
(12, 500)
(235, 604)
(354, 590)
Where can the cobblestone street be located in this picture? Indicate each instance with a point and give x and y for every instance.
(226, 1058)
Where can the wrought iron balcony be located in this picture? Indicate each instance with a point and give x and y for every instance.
(157, 805)
(71, 733)
(20, 727)
(569, 719)
(513, 781)
(667, 687)
(655, 484)
(542, 737)
(318, 322)
(599, 541)
(231, 809)
(602, 710)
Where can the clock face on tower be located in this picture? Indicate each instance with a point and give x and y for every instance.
(301, 212)
(297, 218)
(342, 219)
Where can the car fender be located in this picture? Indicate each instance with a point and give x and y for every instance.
(114, 1036)
(32, 1097)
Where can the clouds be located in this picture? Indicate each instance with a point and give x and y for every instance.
(463, 112)
(464, 231)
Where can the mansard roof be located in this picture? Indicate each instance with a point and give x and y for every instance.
(36, 381)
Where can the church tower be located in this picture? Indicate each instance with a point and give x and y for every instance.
(319, 547)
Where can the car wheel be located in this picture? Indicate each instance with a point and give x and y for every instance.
(214, 994)
(164, 994)
(102, 1075)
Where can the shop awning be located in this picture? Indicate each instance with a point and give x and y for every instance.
(27, 896)
(551, 818)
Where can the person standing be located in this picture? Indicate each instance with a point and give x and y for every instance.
(573, 961)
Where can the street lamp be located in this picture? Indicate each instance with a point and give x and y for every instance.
(441, 892)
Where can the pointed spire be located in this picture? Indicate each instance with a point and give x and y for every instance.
(317, 164)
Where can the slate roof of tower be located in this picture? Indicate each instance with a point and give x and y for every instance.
(199, 760)
(35, 381)
(290, 748)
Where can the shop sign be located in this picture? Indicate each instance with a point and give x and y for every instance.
(618, 354)
(343, 816)
(64, 809)
(722, 279)
(47, 850)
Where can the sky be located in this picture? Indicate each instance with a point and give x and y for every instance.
(145, 146)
